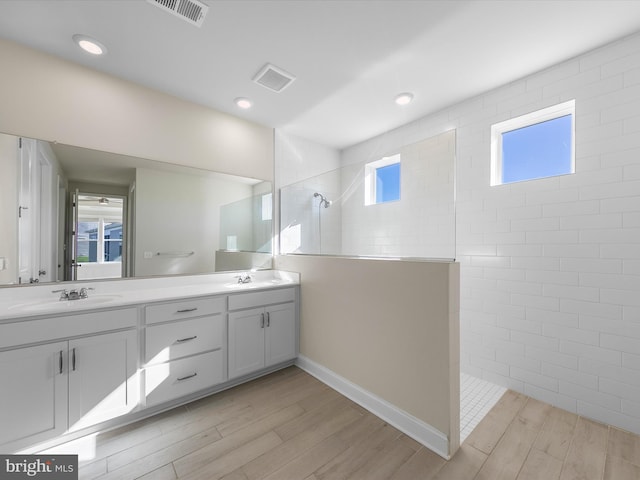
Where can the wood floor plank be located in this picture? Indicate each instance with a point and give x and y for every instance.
(267, 404)
(319, 399)
(219, 466)
(508, 457)
(310, 461)
(93, 469)
(586, 457)
(617, 468)
(144, 465)
(423, 465)
(534, 414)
(235, 475)
(359, 452)
(555, 436)
(277, 458)
(540, 465)
(310, 419)
(386, 464)
(197, 459)
(624, 445)
(163, 473)
(465, 464)
(361, 429)
(488, 433)
(162, 442)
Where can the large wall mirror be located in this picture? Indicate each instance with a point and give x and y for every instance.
(72, 214)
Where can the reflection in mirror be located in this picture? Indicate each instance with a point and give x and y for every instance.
(70, 213)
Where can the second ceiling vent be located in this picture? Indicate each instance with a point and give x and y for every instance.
(191, 11)
(273, 78)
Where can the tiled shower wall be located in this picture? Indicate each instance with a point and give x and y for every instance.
(422, 222)
(550, 269)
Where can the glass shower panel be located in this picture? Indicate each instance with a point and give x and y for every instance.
(328, 214)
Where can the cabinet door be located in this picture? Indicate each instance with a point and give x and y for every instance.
(33, 398)
(103, 378)
(246, 341)
(280, 341)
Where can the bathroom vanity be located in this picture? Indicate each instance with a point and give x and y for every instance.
(133, 348)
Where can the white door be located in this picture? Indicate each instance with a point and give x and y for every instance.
(280, 341)
(33, 402)
(103, 378)
(246, 341)
(45, 198)
(27, 211)
(73, 238)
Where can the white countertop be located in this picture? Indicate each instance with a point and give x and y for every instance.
(29, 301)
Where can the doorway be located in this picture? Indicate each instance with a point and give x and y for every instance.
(97, 236)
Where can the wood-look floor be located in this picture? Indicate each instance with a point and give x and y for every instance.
(289, 426)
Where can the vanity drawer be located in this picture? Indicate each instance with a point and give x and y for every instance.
(48, 329)
(260, 299)
(171, 380)
(180, 339)
(196, 307)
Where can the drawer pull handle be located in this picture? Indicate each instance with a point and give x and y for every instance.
(268, 320)
(262, 320)
(182, 340)
(186, 310)
(73, 360)
(188, 376)
(60, 362)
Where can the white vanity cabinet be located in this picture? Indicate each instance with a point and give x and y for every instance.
(33, 403)
(68, 369)
(184, 348)
(262, 330)
(86, 377)
(103, 380)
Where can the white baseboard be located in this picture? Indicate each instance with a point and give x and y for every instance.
(415, 428)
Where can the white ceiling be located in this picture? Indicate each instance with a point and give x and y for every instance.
(350, 57)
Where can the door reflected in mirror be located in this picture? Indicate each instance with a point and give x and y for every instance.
(71, 213)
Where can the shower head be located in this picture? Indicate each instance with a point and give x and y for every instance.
(323, 201)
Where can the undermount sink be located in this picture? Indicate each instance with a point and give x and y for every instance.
(49, 304)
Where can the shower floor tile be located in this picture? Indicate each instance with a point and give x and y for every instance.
(477, 397)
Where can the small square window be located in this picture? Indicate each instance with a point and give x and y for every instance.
(532, 146)
(382, 180)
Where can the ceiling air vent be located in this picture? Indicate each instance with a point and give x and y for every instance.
(273, 78)
(191, 11)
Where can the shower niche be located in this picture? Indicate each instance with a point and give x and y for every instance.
(336, 212)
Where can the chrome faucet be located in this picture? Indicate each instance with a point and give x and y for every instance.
(73, 294)
(244, 278)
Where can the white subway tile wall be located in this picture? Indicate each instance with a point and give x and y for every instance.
(553, 263)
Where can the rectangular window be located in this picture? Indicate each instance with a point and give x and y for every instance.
(382, 180)
(536, 145)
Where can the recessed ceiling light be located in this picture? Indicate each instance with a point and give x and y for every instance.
(243, 103)
(404, 98)
(90, 45)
